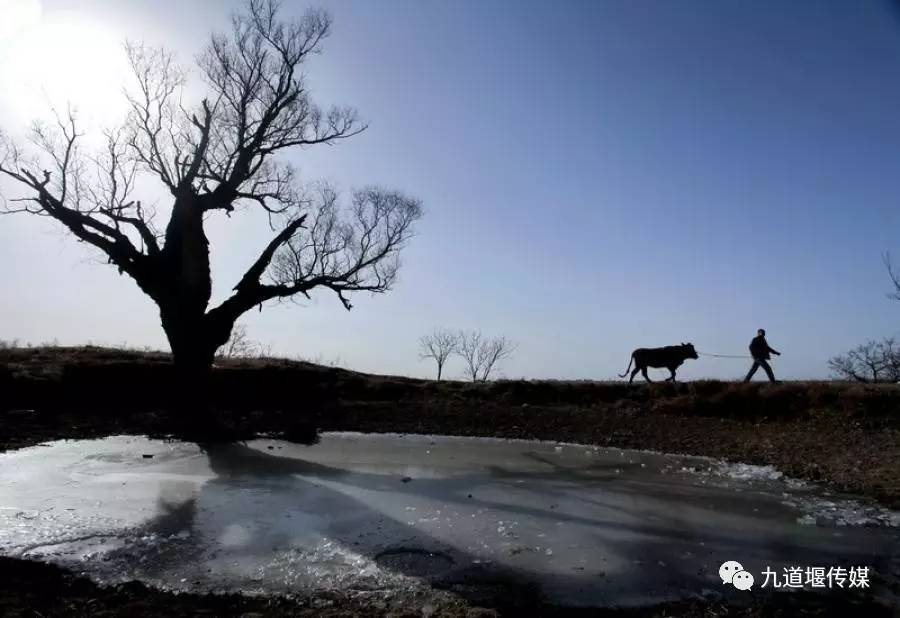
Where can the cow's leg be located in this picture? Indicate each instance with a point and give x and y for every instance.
(633, 373)
(644, 373)
(672, 377)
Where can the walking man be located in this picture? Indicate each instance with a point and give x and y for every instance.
(759, 349)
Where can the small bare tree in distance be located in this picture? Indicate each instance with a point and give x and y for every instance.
(871, 362)
(239, 344)
(481, 354)
(439, 345)
(222, 155)
(893, 274)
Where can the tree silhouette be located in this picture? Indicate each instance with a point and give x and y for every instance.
(211, 158)
(873, 361)
(481, 354)
(439, 345)
(894, 274)
(240, 345)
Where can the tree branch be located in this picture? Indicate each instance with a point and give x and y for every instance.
(251, 278)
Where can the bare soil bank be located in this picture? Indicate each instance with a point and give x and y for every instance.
(30, 589)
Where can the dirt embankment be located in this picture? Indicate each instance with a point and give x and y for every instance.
(32, 589)
(847, 435)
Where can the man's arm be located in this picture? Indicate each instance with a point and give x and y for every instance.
(773, 350)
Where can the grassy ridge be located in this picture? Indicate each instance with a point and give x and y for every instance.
(110, 378)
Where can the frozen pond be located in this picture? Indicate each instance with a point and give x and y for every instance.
(400, 515)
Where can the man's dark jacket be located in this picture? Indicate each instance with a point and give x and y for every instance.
(759, 348)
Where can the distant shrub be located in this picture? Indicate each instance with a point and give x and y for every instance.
(871, 401)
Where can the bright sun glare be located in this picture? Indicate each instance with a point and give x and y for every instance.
(59, 58)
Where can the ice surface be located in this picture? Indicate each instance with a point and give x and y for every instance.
(583, 525)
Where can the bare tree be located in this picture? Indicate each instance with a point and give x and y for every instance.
(439, 345)
(481, 354)
(495, 350)
(893, 274)
(239, 344)
(468, 346)
(873, 361)
(225, 152)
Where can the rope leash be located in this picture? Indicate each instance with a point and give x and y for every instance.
(724, 355)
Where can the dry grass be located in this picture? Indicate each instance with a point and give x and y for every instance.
(76, 377)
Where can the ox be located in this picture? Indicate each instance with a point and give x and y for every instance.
(671, 357)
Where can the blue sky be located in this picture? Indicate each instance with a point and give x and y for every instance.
(597, 176)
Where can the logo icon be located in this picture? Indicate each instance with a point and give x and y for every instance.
(742, 580)
(732, 572)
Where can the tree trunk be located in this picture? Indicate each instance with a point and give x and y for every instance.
(193, 359)
(192, 337)
(186, 260)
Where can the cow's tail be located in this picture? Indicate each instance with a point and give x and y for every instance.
(627, 369)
